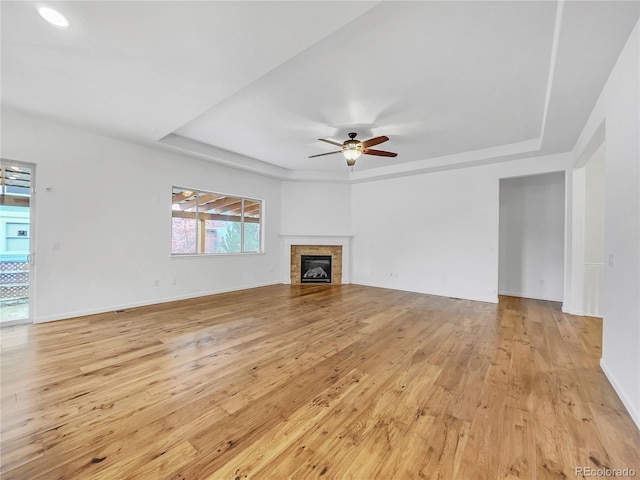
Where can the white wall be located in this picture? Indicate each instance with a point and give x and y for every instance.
(619, 108)
(621, 326)
(435, 233)
(594, 226)
(531, 259)
(316, 208)
(316, 214)
(109, 210)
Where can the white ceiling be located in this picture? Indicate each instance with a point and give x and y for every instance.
(255, 84)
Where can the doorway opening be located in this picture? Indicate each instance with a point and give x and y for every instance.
(531, 237)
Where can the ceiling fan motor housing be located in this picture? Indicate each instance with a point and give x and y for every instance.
(352, 145)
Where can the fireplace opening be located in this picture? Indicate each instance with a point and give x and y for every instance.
(315, 268)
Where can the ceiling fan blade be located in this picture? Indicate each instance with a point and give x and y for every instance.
(331, 142)
(321, 154)
(379, 153)
(374, 141)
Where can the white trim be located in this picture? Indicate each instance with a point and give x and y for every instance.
(13, 323)
(146, 303)
(635, 415)
(552, 64)
(573, 301)
(530, 297)
(493, 300)
(572, 311)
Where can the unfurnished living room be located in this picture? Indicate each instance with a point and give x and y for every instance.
(320, 239)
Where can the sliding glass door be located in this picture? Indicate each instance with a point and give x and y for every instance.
(16, 251)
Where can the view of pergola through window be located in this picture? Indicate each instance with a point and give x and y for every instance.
(214, 223)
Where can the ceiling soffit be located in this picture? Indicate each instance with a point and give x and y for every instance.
(439, 78)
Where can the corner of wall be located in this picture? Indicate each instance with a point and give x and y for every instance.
(631, 408)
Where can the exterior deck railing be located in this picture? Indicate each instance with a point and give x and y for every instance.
(14, 281)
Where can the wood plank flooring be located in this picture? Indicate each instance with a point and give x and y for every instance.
(345, 382)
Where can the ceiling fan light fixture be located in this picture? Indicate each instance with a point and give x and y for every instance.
(351, 153)
(351, 150)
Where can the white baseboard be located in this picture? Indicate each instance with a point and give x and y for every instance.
(631, 408)
(572, 311)
(488, 299)
(579, 312)
(145, 303)
(532, 297)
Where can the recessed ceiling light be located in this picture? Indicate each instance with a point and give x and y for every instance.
(52, 16)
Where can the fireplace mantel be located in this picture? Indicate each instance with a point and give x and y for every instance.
(342, 240)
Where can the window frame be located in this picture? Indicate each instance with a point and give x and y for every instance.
(200, 226)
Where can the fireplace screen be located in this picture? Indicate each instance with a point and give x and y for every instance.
(315, 268)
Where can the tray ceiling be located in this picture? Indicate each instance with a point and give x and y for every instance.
(253, 85)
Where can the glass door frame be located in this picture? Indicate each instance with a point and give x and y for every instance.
(32, 235)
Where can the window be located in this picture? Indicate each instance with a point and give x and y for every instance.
(207, 222)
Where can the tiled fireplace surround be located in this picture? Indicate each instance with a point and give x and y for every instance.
(338, 246)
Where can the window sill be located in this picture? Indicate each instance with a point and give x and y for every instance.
(215, 255)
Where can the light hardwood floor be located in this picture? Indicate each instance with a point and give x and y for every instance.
(312, 381)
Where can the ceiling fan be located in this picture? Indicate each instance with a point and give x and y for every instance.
(352, 149)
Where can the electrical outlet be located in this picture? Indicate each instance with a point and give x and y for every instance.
(156, 283)
(174, 282)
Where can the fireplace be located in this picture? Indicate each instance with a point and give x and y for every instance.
(296, 269)
(315, 269)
